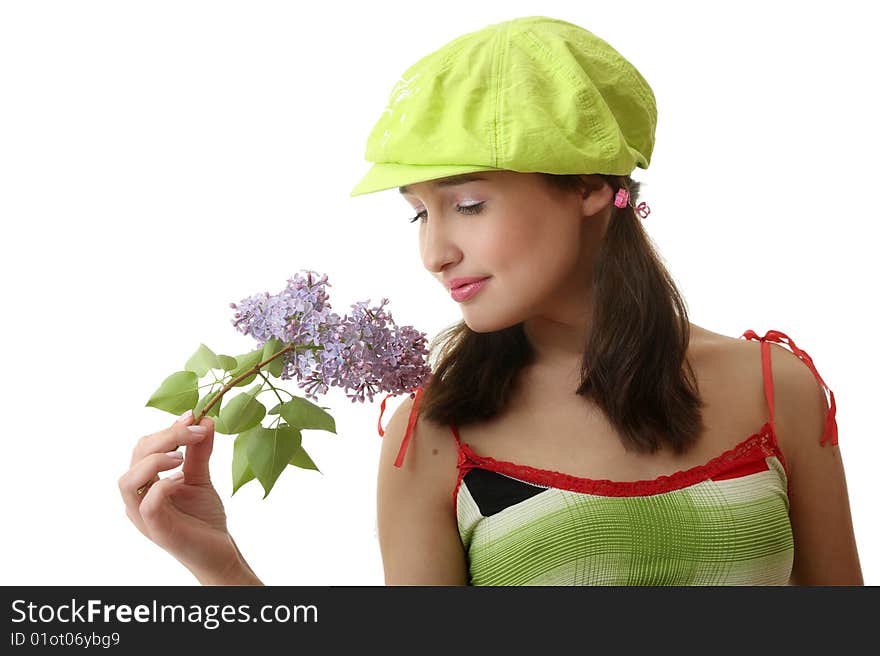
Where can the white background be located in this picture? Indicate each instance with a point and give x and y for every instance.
(159, 160)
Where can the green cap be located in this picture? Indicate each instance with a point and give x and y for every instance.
(530, 94)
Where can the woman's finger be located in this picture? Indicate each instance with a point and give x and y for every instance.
(156, 521)
(144, 472)
(198, 456)
(176, 435)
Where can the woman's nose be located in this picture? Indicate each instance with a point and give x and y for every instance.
(437, 246)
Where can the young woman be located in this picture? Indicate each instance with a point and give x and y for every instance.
(577, 429)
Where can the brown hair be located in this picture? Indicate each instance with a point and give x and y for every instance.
(634, 365)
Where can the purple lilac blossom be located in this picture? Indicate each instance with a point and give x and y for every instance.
(365, 352)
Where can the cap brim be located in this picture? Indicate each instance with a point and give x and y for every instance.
(382, 176)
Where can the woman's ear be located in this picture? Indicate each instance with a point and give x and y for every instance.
(588, 184)
(597, 194)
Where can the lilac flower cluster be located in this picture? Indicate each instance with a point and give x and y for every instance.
(365, 353)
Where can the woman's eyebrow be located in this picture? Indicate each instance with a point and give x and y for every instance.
(449, 182)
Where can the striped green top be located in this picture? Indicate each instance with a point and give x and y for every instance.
(725, 522)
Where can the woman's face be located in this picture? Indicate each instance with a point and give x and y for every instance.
(534, 243)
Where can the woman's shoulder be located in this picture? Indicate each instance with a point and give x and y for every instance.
(798, 390)
(717, 348)
(414, 503)
(718, 357)
(423, 448)
(739, 356)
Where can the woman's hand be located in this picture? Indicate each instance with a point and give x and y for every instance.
(182, 513)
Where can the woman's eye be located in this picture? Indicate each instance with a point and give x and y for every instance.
(464, 209)
(418, 216)
(470, 209)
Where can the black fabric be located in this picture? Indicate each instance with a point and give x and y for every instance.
(493, 492)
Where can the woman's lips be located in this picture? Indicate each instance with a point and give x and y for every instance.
(465, 292)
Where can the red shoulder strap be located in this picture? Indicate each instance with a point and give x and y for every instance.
(413, 417)
(454, 429)
(830, 432)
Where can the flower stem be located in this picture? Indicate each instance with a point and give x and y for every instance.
(274, 389)
(253, 370)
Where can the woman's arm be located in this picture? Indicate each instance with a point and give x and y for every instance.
(824, 540)
(238, 572)
(418, 532)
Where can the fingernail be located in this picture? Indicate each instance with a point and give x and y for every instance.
(176, 476)
(175, 454)
(200, 430)
(186, 415)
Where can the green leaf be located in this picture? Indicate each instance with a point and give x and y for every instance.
(241, 413)
(270, 451)
(202, 360)
(276, 409)
(304, 414)
(241, 470)
(205, 400)
(220, 427)
(227, 362)
(245, 362)
(270, 348)
(302, 459)
(177, 393)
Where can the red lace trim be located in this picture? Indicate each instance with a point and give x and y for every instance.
(829, 434)
(756, 447)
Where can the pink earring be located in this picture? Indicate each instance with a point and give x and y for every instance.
(622, 199)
